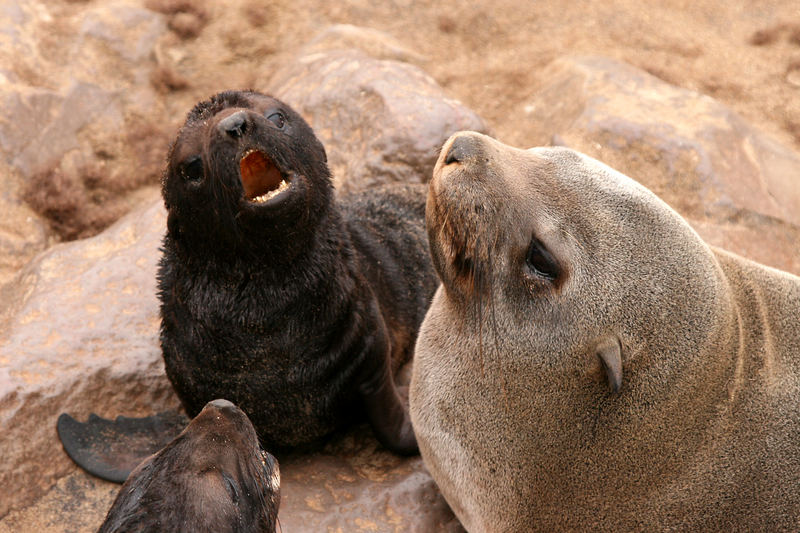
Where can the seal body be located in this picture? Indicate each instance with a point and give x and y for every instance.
(589, 363)
(292, 304)
(211, 477)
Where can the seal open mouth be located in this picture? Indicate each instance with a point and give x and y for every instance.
(261, 179)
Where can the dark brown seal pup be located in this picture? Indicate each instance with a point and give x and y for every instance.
(589, 363)
(294, 306)
(212, 477)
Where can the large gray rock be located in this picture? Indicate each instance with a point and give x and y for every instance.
(380, 120)
(738, 187)
(78, 333)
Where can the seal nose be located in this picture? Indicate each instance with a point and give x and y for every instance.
(222, 404)
(460, 149)
(234, 125)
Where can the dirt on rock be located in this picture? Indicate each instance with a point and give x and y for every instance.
(489, 55)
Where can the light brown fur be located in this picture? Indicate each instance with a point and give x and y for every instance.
(510, 402)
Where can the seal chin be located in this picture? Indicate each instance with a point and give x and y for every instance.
(262, 181)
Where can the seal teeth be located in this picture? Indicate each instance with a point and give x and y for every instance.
(273, 193)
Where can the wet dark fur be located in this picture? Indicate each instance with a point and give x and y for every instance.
(212, 477)
(295, 312)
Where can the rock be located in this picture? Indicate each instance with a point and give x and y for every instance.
(381, 121)
(78, 334)
(738, 187)
(374, 43)
(44, 125)
(77, 87)
(354, 484)
(23, 233)
(77, 503)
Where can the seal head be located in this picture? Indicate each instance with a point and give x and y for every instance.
(211, 477)
(245, 169)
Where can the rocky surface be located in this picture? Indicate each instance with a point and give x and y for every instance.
(356, 485)
(77, 143)
(155, 58)
(380, 120)
(23, 233)
(78, 333)
(77, 503)
(92, 92)
(739, 187)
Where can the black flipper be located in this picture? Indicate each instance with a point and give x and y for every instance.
(389, 417)
(386, 412)
(112, 449)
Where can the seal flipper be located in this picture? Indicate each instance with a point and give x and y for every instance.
(112, 449)
(387, 414)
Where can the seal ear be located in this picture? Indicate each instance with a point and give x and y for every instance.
(609, 351)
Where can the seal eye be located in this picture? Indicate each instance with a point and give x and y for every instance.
(278, 119)
(192, 169)
(540, 261)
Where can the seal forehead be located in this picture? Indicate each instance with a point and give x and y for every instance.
(245, 99)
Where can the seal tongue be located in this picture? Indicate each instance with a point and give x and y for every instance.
(260, 177)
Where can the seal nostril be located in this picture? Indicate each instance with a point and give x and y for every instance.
(234, 125)
(458, 152)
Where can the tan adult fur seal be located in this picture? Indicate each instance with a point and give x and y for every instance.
(589, 363)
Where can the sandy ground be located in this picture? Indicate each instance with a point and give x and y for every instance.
(490, 54)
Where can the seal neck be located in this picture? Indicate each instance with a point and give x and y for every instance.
(269, 258)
